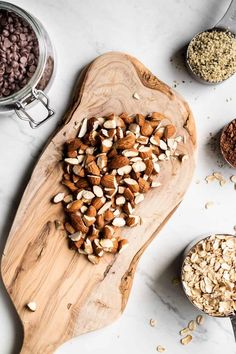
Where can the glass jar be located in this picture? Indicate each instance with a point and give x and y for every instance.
(34, 90)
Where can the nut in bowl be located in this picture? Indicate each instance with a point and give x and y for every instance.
(208, 275)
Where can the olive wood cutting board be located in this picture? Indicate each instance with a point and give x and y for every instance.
(72, 295)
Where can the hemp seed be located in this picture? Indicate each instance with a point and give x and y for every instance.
(212, 55)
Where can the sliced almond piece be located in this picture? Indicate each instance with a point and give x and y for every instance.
(72, 161)
(98, 191)
(124, 170)
(109, 124)
(88, 195)
(138, 198)
(130, 152)
(132, 220)
(32, 306)
(163, 145)
(58, 198)
(120, 200)
(145, 152)
(127, 208)
(122, 245)
(118, 222)
(76, 236)
(83, 128)
(136, 96)
(132, 184)
(93, 259)
(106, 243)
(106, 206)
(108, 231)
(89, 220)
(109, 181)
(106, 145)
(139, 166)
(142, 140)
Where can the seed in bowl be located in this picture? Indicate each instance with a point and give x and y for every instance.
(209, 275)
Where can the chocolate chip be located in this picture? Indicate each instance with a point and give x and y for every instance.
(19, 52)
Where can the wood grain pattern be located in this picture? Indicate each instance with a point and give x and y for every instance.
(72, 295)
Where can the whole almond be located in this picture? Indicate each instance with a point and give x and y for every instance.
(91, 211)
(69, 228)
(70, 185)
(144, 186)
(94, 180)
(98, 202)
(109, 181)
(72, 154)
(140, 119)
(146, 129)
(100, 221)
(157, 116)
(108, 231)
(119, 161)
(74, 206)
(82, 183)
(78, 223)
(108, 215)
(128, 194)
(93, 168)
(126, 143)
(132, 184)
(170, 130)
(74, 144)
(149, 167)
(126, 118)
(78, 243)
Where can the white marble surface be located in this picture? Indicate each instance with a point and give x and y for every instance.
(153, 31)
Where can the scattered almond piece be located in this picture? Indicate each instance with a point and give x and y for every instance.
(136, 96)
(32, 306)
(58, 198)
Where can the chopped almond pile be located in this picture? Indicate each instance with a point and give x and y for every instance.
(108, 168)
